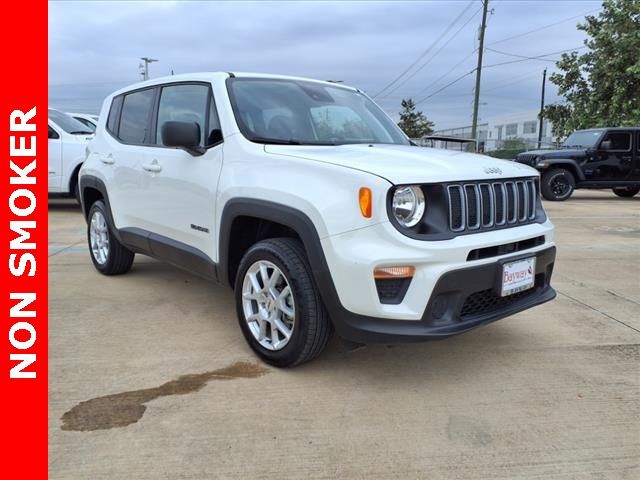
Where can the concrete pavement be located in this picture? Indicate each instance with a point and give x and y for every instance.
(150, 377)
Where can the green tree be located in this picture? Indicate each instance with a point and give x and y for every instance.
(601, 88)
(413, 123)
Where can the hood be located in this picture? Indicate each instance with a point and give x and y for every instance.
(400, 164)
(559, 153)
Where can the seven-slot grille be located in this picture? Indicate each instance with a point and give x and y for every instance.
(490, 205)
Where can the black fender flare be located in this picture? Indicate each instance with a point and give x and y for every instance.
(563, 162)
(91, 181)
(289, 217)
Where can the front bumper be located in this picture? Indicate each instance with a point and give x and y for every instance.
(461, 300)
(449, 293)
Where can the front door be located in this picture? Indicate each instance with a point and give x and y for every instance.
(180, 187)
(613, 159)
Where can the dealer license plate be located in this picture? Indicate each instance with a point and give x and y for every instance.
(518, 276)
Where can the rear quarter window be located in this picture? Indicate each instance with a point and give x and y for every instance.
(114, 115)
(135, 118)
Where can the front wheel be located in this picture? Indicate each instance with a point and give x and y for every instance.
(557, 185)
(109, 256)
(278, 304)
(626, 192)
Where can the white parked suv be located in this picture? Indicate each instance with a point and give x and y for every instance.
(313, 205)
(67, 145)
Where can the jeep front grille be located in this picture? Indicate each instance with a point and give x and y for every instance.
(479, 206)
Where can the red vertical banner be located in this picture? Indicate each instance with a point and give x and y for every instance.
(23, 215)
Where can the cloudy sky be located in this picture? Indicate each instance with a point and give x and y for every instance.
(94, 47)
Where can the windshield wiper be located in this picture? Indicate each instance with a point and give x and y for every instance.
(81, 132)
(275, 141)
(291, 141)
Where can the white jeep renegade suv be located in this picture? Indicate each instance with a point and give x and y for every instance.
(320, 213)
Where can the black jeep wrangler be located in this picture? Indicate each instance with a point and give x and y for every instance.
(595, 158)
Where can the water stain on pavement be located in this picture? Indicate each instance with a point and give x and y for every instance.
(122, 409)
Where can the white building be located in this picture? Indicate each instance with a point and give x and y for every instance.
(492, 133)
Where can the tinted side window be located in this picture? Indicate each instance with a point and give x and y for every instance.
(620, 141)
(183, 103)
(114, 114)
(134, 120)
(52, 133)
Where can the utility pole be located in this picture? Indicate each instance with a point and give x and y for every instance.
(476, 99)
(147, 61)
(544, 80)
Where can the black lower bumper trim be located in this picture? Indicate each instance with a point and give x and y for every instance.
(461, 300)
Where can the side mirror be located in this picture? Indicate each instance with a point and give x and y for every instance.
(184, 135)
(606, 145)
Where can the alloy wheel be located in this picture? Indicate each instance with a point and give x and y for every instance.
(268, 305)
(99, 237)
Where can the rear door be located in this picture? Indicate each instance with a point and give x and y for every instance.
(636, 163)
(615, 160)
(180, 188)
(129, 149)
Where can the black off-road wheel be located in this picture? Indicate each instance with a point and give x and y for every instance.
(557, 185)
(108, 255)
(626, 192)
(278, 303)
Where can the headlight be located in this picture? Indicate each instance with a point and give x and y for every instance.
(408, 205)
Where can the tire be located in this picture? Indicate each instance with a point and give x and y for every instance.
(308, 323)
(626, 192)
(115, 259)
(557, 185)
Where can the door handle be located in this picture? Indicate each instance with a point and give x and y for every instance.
(153, 167)
(108, 160)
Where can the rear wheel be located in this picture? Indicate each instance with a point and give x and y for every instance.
(557, 184)
(109, 256)
(278, 304)
(626, 191)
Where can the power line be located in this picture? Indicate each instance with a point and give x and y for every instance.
(538, 57)
(513, 81)
(430, 59)
(494, 65)
(445, 87)
(518, 56)
(446, 74)
(427, 51)
(544, 27)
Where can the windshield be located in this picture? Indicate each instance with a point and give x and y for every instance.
(68, 123)
(87, 123)
(582, 139)
(308, 113)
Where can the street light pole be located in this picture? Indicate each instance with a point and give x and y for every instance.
(147, 61)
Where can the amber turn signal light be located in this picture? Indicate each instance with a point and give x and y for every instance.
(393, 272)
(366, 202)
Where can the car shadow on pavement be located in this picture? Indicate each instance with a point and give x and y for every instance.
(64, 204)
